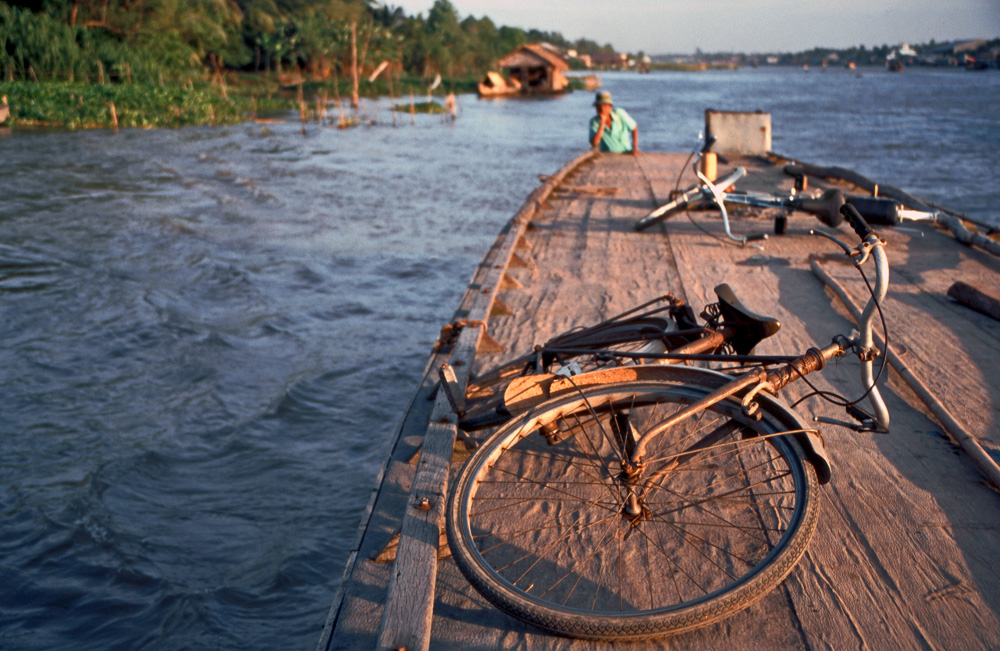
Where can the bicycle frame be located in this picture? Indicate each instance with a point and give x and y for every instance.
(757, 380)
(705, 191)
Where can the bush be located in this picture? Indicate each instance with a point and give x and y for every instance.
(78, 105)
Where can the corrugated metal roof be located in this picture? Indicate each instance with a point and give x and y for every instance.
(533, 55)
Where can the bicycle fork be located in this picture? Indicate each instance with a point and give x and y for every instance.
(756, 380)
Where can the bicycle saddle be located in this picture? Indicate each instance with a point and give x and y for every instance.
(749, 327)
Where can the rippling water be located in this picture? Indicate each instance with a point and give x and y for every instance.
(209, 334)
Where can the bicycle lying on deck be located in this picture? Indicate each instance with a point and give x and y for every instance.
(635, 501)
(662, 331)
(825, 207)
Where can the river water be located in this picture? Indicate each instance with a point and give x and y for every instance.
(209, 334)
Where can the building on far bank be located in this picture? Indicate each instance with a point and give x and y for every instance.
(527, 70)
(609, 60)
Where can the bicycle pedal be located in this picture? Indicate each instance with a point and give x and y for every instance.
(867, 427)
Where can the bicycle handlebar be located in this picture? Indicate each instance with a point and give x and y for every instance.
(856, 221)
(867, 321)
(826, 208)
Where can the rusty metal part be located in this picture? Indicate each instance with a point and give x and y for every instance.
(450, 332)
(813, 360)
(710, 341)
(755, 376)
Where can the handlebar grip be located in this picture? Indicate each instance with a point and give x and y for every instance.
(826, 208)
(856, 221)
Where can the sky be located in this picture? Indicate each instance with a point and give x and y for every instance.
(749, 26)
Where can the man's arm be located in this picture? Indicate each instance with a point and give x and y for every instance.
(596, 135)
(635, 140)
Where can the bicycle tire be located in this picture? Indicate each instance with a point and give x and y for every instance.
(551, 573)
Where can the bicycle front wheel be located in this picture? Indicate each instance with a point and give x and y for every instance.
(541, 525)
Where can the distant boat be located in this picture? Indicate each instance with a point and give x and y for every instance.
(529, 70)
(895, 65)
(851, 65)
(586, 82)
(493, 84)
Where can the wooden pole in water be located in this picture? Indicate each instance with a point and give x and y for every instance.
(114, 116)
(336, 96)
(354, 65)
(392, 99)
(321, 115)
(413, 110)
(302, 109)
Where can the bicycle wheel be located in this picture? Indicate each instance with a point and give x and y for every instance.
(538, 524)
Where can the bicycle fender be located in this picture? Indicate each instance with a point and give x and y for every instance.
(524, 394)
(815, 448)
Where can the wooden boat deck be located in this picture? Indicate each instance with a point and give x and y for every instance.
(906, 553)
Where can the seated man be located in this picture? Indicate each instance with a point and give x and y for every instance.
(610, 129)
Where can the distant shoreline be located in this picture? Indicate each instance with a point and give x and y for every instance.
(243, 98)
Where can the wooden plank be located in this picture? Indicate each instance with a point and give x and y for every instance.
(406, 622)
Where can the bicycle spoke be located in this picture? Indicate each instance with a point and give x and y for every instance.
(548, 452)
(538, 483)
(597, 549)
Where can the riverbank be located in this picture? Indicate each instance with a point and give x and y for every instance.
(229, 100)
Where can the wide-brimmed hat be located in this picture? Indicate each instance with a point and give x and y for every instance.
(603, 97)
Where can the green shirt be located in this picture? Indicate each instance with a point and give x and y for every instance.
(618, 138)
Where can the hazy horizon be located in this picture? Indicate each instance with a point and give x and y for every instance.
(761, 26)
